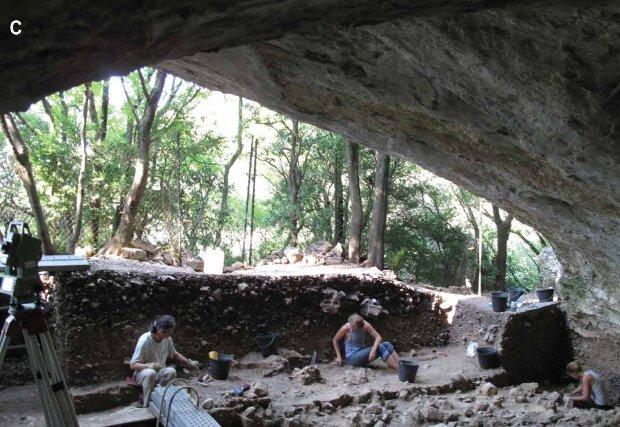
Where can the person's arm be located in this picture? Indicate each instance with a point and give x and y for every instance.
(178, 357)
(577, 391)
(138, 360)
(586, 389)
(342, 332)
(375, 346)
(137, 366)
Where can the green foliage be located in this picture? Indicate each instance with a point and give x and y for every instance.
(429, 236)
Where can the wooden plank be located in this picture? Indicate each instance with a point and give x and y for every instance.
(116, 417)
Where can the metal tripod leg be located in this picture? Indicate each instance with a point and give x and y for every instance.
(5, 338)
(44, 398)
(55, 397)
(61, 391)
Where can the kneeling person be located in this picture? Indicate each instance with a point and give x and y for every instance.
(354, 333)
(149, 358)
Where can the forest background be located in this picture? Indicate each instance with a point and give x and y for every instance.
(152, 157)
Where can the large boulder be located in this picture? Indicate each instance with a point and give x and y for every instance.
(292, 254)
(320, 247)
(134, 254)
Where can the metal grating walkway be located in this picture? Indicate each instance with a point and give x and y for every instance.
(183, 412)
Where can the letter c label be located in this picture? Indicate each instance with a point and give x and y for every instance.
(16, 27)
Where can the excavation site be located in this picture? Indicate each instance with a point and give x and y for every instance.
(300, 213)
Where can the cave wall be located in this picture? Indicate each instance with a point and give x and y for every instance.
(101, 313)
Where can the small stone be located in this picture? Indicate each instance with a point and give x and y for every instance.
(374, 409)
(328, 407)
(208, 403)
(554, 397)
(356, 376)
(242, 287)
(482, 406)
(307, 375)
(488, 389)
(259, 388)
(430, 413)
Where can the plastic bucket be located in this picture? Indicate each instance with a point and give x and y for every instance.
(218, 368)
(407, 370)
(545, 295)
(499, 300)
(267, 343)
(488, 357)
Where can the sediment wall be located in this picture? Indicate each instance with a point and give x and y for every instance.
(100, 313)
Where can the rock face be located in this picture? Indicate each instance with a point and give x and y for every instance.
(515, 101)
(550, 269)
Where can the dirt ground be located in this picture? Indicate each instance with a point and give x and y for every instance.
(449, 388)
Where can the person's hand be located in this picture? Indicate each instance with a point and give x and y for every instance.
(373, 355)
(339, 361)
(193, 364)
(154, 365)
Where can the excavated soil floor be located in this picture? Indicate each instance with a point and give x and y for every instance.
(450, 389)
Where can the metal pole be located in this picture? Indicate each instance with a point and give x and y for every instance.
(253, 198)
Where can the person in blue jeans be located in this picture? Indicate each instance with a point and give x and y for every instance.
(356, 353)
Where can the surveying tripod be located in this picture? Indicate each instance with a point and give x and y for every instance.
(21, 253)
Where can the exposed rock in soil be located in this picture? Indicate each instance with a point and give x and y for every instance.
(223, 313)
(307, 375)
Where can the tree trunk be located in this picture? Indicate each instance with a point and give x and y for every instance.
(125, 231)
(81, 183)
(338, 200)
(376, 242)
(102, 131)
(252, 203)
(225, 187)
(247, 201)
(24, 170)
(503, 233)
(294, 185)
(355, 228)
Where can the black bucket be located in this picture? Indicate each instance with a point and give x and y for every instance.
(545, 295)
(218, 368)
(488, 358)
(407, 370)
(499, 300)
(515, 294)
(267, 343)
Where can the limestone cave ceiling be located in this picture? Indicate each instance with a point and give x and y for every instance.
(518, 101)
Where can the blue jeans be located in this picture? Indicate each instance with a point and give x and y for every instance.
(359, 357)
